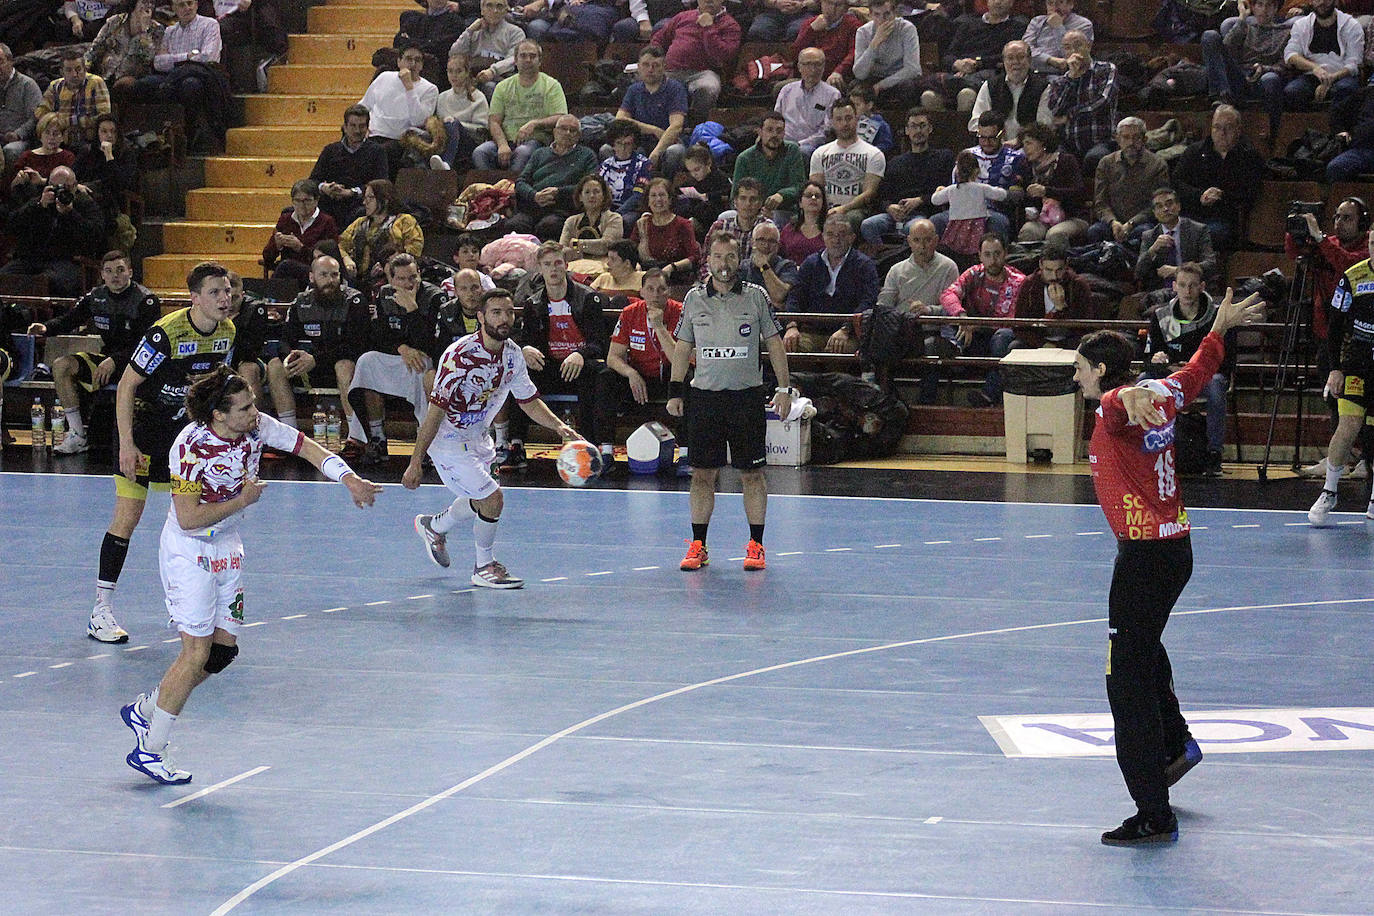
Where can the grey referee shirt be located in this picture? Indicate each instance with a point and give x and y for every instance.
(727, 329)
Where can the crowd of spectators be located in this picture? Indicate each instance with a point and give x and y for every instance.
(825, 196)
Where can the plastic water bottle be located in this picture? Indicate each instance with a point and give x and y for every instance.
(39, 418)
(321, 426)
(332, 430)
(59, 425)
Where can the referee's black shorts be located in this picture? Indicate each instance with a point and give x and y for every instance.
(720, 418)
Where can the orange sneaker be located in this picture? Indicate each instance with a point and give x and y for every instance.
(753, 556)
(696, 557)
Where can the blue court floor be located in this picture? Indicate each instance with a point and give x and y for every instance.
(621, 737)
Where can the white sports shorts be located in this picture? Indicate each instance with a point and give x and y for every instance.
(202, 581)
(464, 464)
(387, 373)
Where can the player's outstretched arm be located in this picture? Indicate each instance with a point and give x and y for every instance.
(539, 412)
(424, 437)
(364, 492)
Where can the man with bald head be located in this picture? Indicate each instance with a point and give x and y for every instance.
(805, 103)
(54, 226)
(1217, 178)
(914, 285)
(544, 190)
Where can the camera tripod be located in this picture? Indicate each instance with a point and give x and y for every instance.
(1295, 351)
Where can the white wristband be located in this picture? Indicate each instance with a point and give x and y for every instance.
(335, 468)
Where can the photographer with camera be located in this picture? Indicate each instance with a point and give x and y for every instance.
(1326, 258)
(51, 229)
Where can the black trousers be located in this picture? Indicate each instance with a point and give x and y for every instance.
(613, 400)
(1150, 730)
(549, 381)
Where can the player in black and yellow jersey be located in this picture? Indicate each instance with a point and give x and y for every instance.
(1350, 346)
(150, 410)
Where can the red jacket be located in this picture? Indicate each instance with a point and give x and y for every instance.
(322, 228)
(837, 43)
(687, 46)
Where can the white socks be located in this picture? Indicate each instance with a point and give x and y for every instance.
(158, 730)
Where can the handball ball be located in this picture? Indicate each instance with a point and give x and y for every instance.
(578, 462)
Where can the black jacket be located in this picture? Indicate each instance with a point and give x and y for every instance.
(587, 313)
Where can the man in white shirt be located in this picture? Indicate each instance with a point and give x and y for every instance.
(805, 103)
(398, 101)
(1016, 93)
(849, 168)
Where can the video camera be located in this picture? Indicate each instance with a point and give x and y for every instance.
(1296, 222)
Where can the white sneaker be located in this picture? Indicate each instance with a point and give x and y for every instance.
(1359, 471)
(1314, 470)
(1323, 507)
(72, 445)
(436, 544)
(494, 575)
(156, 766)
(437, 163)
(1369, 510)
(103, 627)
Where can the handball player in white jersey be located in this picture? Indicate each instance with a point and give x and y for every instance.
(470, 385)
(214, 477)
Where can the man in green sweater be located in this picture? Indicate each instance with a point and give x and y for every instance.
(779, 166)
(544, 190)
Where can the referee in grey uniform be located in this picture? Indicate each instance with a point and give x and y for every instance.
(727, 322)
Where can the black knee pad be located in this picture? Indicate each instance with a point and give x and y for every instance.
(221, 657)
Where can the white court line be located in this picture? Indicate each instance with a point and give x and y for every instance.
(173, 639)
(644, 568)
(933, 820)
(937, 542)
(1199, 527)
(1356, 522)
(135, 648)
(1245, 526)
(375, 603)
(331, 610)
(98, 655)
(418, 597)
(788, 553)
(1297, 524)
(979, 540)
(462, 591)
(555, 579)
(549, 740)
(604, 572)
(62, 665)
(1084, 534)
(1030, 536)
(838, 549)
(255, 623)
(885, 546)
(219, 785)
(26, 674)
(295, 616)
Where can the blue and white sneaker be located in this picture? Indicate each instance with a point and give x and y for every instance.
(134, 719)
(1177, 768)
(156, 766)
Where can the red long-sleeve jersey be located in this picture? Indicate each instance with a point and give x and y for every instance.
(1133, 468)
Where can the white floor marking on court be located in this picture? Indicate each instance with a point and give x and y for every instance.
(1084, 534)
(26, 674)
(219, 785)
(1030, 536)
(135, 648)
(979, 540)
(173, 639)
(885, 546)
(1356, 522)
(838, 549)
(937, 542)
(98, 655)
(733, 559)
(62, 665)
(789, 553)
(331, 610)
(933, 820)
(644, 568)
(462, 591)
(418, 597)
(604, 572)
(1199, 528)
(256, 623)
(375, 603)
(1297, 524)
(1245, 526)
(555, 579)
(295, 616)
(549, 740)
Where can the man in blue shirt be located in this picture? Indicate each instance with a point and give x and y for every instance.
(658, 105)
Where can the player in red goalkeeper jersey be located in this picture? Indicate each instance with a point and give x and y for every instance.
(1132, 457)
